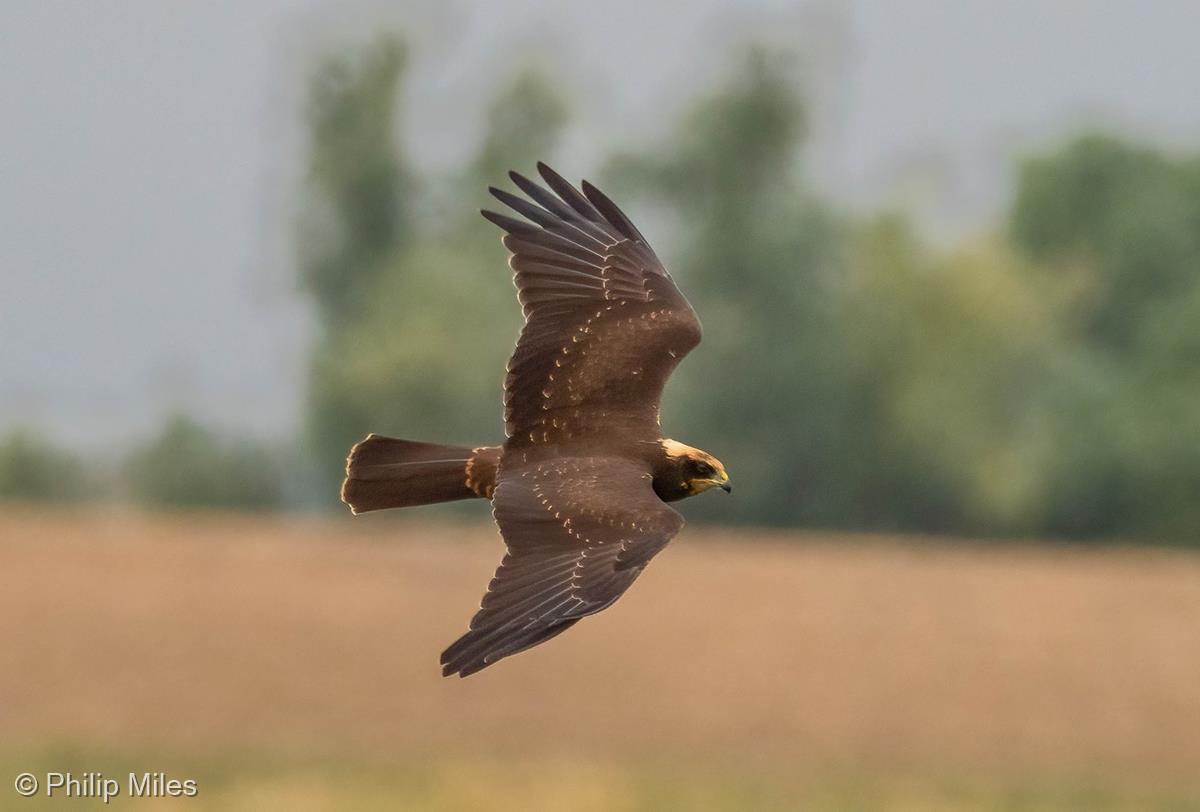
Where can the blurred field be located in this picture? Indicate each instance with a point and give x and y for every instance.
(292, 663)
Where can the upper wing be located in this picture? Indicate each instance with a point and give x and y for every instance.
(579, 531)
(604, 323)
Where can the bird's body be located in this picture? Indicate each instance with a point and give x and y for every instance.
(579, 488)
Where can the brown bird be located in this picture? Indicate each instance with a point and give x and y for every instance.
(581, 485)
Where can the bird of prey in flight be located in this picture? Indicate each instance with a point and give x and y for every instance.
(580, 488)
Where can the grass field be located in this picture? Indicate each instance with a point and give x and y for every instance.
(292, 663)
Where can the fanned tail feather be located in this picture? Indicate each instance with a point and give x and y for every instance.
(383, 472)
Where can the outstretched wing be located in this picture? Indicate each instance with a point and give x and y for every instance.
(604, 323)
(579, 531)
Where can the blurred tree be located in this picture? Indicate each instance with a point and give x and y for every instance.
(1119, 226)
(768, 391)
(356, 215)
(524, 123)
(958, 351)
(358, 210)
(443, 361)
(410, 345)
(188, 466)
(34, 470)
(1125, 219)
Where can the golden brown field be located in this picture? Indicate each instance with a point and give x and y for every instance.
(292, 663)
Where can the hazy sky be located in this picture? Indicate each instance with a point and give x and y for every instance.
(148, 149)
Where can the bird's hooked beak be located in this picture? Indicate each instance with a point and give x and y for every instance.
(722, 482)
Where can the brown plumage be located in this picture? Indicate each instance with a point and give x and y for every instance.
(580, 486)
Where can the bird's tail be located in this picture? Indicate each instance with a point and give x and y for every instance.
(382, 472)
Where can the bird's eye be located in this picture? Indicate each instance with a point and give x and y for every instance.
(704, 469)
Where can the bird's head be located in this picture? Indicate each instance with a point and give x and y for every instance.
(698, 469)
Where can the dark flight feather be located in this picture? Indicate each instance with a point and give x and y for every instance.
(621, 299)
(579, 531)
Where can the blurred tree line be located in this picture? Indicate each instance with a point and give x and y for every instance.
(34, 469)
(189, 466)
(184, 466)
(1042, 380)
